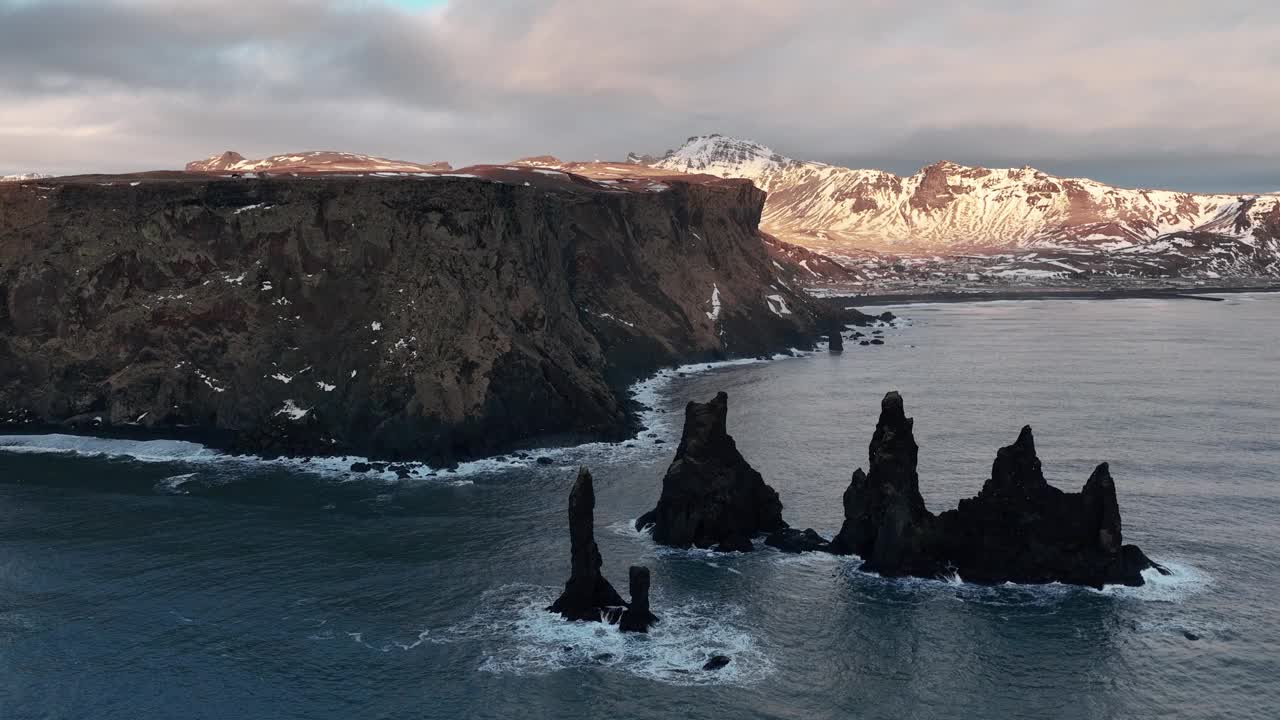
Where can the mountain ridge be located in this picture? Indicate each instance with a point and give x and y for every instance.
(310, 161)
(952, 208)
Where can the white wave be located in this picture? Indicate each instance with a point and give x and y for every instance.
(141, 450)
(627, 528)
(518, 636)
(189, 453)
(1183, 581)
(174, 483)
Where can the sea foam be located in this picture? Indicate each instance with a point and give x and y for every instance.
(515, 634)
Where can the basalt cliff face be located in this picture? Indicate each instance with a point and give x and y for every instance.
(434, 317)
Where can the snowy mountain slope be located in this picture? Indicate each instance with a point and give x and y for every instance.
(310, 162)
(947, 206)
(25, 177)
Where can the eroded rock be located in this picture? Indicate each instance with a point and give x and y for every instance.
(587, 594)
(790, 540)
(637, 617)
(1018, 529)
(711, 496)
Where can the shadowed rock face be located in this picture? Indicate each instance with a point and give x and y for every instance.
(637, 617)
(886, 522)
(587, 594)
(1018, 529)
(435, 318)
(711, 496)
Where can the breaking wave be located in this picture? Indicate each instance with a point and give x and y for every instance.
(517, 635)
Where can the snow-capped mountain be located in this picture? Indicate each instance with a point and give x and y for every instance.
(24, 177)
(310, 162)
(950, 208)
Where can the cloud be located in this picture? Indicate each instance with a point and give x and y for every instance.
(1141, 92)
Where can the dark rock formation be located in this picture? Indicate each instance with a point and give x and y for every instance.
(1018, 529)
(790, 540)
(711, 496)
(434, 318)
(587, 594)
(886, 522)
(637, 617)
(835, 339)
(715, 662)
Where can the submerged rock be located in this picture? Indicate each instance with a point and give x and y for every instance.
(587, 594)
(790, 540)
(711, 497)
(1018, 529)
(637, 617)
(716, 662)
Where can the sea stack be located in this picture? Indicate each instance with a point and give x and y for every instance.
(1018, 529)
(587, 594)
(885, 519)
(835, 339)
(637, 617)
(1022, 529)
(711, 497)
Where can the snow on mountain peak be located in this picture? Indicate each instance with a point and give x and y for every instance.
(946, 205)
(24, 177)
(313, 161)
(723, 156)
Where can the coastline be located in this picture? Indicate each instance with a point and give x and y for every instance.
(1194, 292)
(648, 421)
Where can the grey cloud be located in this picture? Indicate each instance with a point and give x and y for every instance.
(1172, 93)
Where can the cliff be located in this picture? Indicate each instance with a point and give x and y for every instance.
(435, 317)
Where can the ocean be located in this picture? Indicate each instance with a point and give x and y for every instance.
(164, 580)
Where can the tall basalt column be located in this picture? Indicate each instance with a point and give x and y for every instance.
(886, 521)
(587, 594)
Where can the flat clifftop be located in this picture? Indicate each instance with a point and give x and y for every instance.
(435, 316)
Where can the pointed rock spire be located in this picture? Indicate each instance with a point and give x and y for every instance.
(587, 594)
(886, 522)
(711, 496)
(1102, 510)
(1016, 470)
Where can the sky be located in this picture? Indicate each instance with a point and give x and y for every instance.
(1158, 93)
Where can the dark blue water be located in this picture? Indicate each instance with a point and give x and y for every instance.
(211, 588)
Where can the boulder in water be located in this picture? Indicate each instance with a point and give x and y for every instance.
(790, 540)
(711, 497)
(715, 662)
(637, 617)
